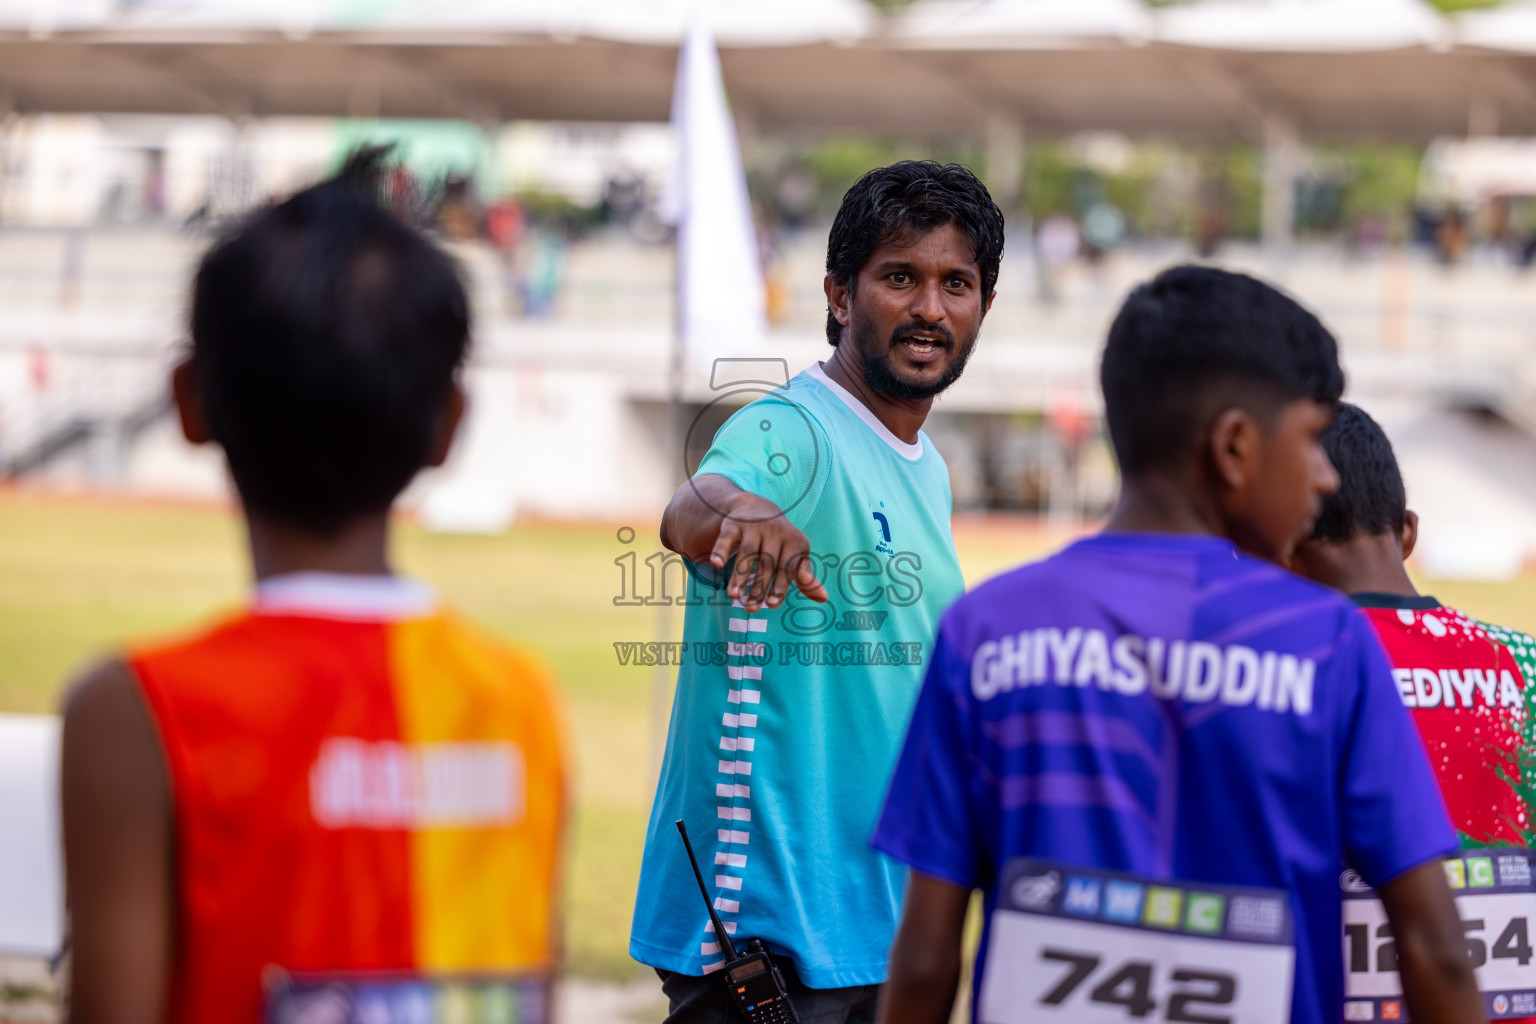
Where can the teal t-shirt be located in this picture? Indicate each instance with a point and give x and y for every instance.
(786, 723)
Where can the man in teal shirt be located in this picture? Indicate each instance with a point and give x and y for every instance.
(822, 509)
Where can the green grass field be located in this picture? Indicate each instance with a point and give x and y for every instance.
(78, 578)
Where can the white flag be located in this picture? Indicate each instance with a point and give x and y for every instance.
(722, 300)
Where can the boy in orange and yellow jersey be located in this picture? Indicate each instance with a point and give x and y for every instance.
(343, 802)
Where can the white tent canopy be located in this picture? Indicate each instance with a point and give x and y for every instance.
(940, 69)
(1306, 26)
(1510, 27)
(1469, 171)
(646, 22)
(732, 22)
(1019, 24)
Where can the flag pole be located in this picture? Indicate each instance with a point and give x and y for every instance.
(662, 677)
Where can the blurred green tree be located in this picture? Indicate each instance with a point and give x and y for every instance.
(834, 164)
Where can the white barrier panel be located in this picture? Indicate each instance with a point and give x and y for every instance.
(31, 855)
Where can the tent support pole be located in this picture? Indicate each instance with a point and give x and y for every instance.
(1282, 157)
(1005, 159)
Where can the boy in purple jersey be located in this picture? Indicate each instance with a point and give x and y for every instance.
(1163, 706)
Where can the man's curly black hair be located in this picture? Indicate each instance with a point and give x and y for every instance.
(906, 200)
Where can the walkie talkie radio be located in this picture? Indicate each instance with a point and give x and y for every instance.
(753, 980)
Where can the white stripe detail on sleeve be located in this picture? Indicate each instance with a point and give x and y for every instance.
(729, 790)
(748, 625)
(738, 672)
(733, 836)
(712, 968)
(745, 649)
(731, 860)
(708, 948)
(726, 906)
(728, 882)
(751, 696)
(737, 743)
(734, 813)
(730, 927)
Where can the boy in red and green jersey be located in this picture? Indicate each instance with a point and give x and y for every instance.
(1465, 680)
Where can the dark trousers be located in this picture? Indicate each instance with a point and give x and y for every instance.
(695, 1000)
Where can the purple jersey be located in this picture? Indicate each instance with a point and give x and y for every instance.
(1167, 706)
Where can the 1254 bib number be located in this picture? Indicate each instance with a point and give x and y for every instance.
(1498, 937)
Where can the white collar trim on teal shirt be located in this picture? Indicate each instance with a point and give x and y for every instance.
(334, 595)
(911, 452)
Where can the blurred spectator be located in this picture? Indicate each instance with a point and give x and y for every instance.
(504, 225)
(1213, 218)
(1057, 243)
(1451, 238)
(456, 215)
(1103, 230)
(504, 230)
(623, 197)
(543, 272)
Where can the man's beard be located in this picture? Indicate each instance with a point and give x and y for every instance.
(881, 376)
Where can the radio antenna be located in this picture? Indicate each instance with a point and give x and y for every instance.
(720, 933)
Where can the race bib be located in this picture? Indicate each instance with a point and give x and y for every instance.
(1097, 947)
(367, 998)
(1497, 902)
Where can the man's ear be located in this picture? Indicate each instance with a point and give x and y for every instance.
(189, 404)
(987, 308)
(1232, 444)
(839, 298)
(1410, 533)
(448, 420)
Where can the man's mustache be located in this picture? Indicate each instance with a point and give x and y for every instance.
(912, 330)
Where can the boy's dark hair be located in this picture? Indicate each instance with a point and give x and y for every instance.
(1371, 498)
(1196, 340)
(908, 199)
(326, 336)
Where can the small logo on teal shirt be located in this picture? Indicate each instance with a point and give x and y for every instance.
(884, 544)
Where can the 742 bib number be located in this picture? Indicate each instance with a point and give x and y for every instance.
(1129, 985)
(1045, 968)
